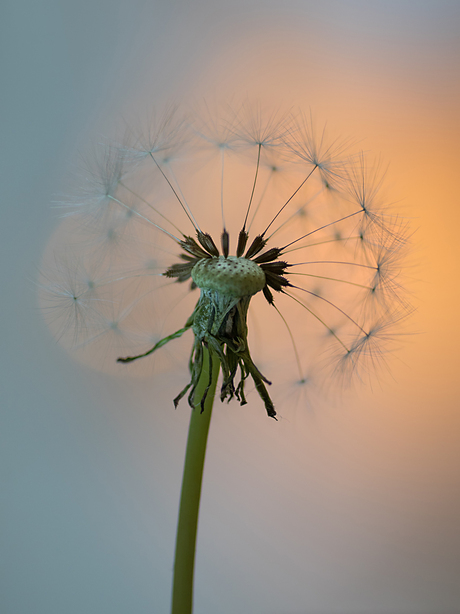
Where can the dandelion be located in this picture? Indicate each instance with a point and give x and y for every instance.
(223, 209)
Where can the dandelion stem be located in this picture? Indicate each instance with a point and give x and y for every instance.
(261, 197)
(319, 320)
(182, 593)
(290, 198)
(321, 298)
(148, 205)
(185, 207)
(253, 187)
(122, 204)
(334, 240)
(296, 213)
(343, 281)
(320, 227)
(222, 189)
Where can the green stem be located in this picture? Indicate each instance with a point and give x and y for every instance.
(182, 593)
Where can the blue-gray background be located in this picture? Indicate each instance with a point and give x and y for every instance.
(347, 510)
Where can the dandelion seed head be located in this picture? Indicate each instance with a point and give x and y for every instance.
(202, 220)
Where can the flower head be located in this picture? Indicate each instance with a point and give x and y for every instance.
(225, 209)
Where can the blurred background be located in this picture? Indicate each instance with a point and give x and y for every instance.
(351, 507)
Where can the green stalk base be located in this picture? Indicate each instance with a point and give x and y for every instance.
(182, 592)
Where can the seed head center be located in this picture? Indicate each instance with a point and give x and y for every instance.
(231, 276)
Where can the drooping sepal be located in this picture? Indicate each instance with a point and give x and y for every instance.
(220, 324)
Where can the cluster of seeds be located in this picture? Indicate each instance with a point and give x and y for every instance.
(311, 230)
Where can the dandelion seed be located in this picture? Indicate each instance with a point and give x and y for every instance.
(69, 299)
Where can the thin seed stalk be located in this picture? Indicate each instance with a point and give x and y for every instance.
(182, 592)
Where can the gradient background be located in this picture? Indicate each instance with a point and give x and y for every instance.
(346, 509)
